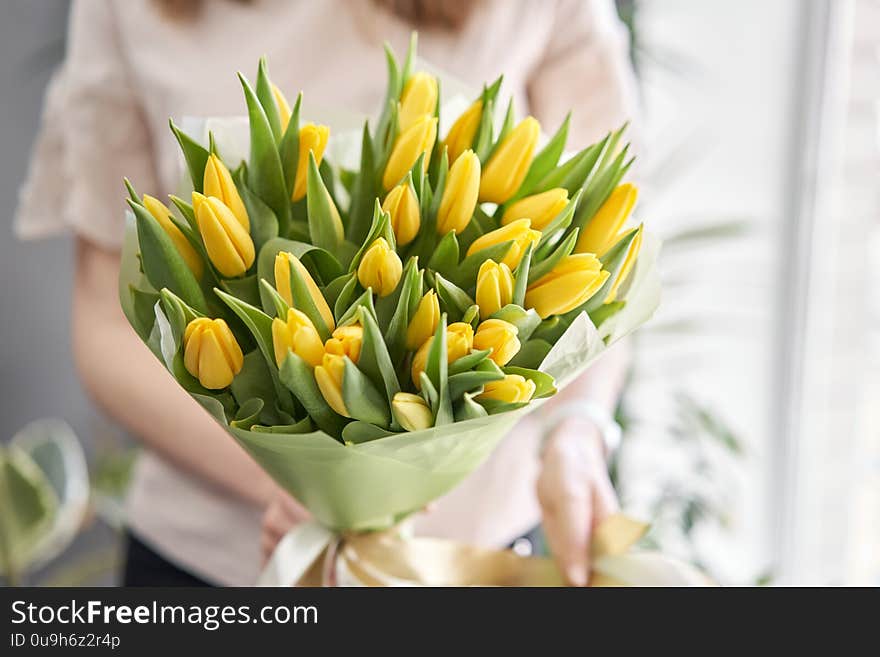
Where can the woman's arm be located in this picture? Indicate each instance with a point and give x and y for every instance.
(131, 386)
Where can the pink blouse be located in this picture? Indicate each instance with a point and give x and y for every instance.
(129, 68)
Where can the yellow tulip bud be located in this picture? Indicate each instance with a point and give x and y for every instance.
(210, 352)
(328, 376)
(628, 263)
(411, 411)
(283, 107)
(510, 162)
(299, 335)
(380, 268)
(513, 389)
(218, 183)
(461, 134)
(424, 321)
(500, 337)
(412, 142)
(311, 138)
(403, 206)
(540, 208)
(346, 341)
(494, 287)
(459, 342)
(419, 98)
(162, 214)
(605, 228)
(228, 244)
(282, 284)
(517, 231)
(568, 285)
(460, 195)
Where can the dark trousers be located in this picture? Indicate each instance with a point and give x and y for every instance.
(144, 567)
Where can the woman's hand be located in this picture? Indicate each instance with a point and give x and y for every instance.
(575, 494)
(282, 514)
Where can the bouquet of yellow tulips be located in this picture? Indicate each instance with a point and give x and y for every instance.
(369, 335)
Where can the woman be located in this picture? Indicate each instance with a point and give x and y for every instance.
(197, 499)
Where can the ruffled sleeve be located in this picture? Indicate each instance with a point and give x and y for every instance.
(585, 69)
(93, 132)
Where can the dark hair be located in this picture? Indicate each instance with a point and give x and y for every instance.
(444, 14)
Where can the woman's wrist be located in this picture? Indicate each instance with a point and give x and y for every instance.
(576, 431)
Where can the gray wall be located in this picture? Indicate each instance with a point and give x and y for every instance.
(37, 377)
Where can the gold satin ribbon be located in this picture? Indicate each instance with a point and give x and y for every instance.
(390, 559)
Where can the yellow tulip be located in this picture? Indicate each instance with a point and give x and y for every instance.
(513, 389)
(282, 284)
(459, 342)
(299, 335)
(460, 195)
(494, 287)
(283, 107)
(162, 214)
(517, 231)
(568, 285)
(311, 138)
(540, 208)
(346, 341)
(424, 321)
(500, 337)
(210, 352)
(628, 263)
(510, 162)
(218, 182)
(419, 98)
(380, 268)
(461, 134)
(411, 411)
(403, 206)
(228, 244)
(412, 142)
(328, 376)
(605, 228)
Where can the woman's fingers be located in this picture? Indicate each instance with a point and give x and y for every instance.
(575, 494)
(567, 518)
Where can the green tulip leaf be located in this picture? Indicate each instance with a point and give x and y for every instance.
(358, 432)
(469, 381)
(545, 160)
(467, 409)
(374, 360)
(266, 175)
(266, 96)
(195, 155)
(364, 192)
(436, 371)
(325, 224)
(288, 147)
(264, 223)
(163, 265)
(445, 256)
(559, 253)
(525, 321)
(468, 362)
(531, 354)
(453, 300)
(466, 272)
(299, 378)
(363, 401)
